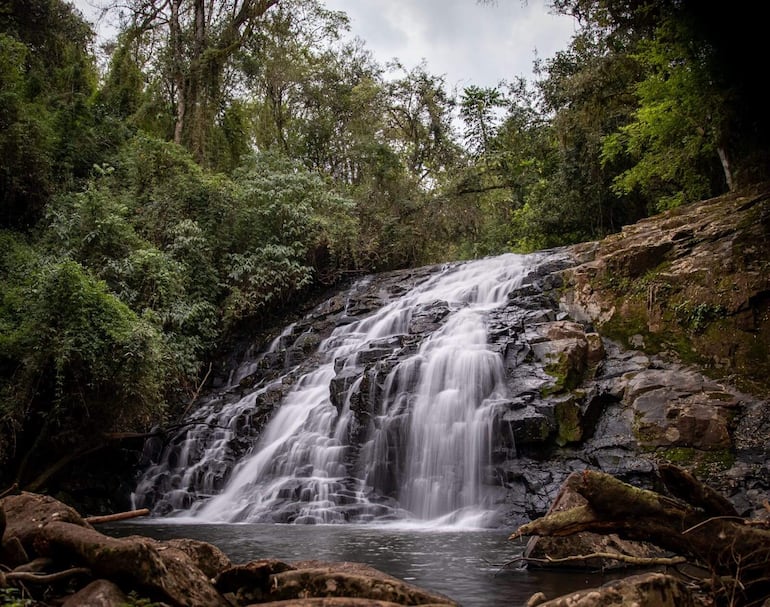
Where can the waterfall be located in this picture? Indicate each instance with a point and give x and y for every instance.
(395, 422)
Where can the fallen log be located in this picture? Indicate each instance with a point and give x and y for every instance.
(737, 553)
(118, 516)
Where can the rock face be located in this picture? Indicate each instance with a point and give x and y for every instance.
(692, 285)
(694, 282)
(599, 346)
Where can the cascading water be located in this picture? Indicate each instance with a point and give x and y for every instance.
(393, 423)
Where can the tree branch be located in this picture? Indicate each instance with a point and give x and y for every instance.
(50, 578)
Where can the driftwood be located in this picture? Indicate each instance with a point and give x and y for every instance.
(692, 521)
(118, 516)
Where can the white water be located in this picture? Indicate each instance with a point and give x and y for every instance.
(426, 443)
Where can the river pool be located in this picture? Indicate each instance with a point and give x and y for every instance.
(468, 565)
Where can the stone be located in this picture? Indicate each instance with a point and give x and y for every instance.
(580, 544)
(100, 593)
(643, 590)
(207, 557)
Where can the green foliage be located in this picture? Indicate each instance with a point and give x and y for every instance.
(284, 220)
(87, 344)
(477, 108)
(26, 141)
(74, 359)
(91, 226)
(677, 129)
(12, 597)
(696, 317)
(49, 135)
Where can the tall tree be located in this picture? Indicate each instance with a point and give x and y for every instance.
(47, 78)
(698, 96)
(195, 42)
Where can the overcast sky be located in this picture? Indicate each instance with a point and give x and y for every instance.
(466, 41)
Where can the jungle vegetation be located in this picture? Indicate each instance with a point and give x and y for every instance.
(230, 159)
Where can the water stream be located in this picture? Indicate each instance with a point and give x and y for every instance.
(379, 433)
(394, 423)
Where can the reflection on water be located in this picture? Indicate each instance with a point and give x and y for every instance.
(468, 566)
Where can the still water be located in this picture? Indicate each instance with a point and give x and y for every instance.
(468, 566)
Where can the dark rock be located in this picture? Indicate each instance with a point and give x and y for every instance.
(647, 589)
(328, 582)
(207, 557)
(249, 583)
(100, 593)
(540, 550)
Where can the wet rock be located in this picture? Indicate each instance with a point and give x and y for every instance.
(541, 551)
(326, 582)
(692, 281)
(100, 593)
(249, 583)
(207, 557)
(680, 408)
(526, 426)
(648, 589)
(428, 318)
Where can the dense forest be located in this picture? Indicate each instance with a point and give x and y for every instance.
(230, 159)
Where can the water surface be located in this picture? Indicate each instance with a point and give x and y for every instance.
(468, 566)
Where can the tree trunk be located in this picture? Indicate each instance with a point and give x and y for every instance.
(177, 51)
(723, 158)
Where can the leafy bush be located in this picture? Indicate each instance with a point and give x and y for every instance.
(74, 359)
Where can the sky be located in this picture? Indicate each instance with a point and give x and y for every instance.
(466, 41)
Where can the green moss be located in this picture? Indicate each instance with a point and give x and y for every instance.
(134, 600)
(568, 422)
(12, 597)
(625, 286)
(634, 321)
(702, 463)
(696, 317)
(567, 375)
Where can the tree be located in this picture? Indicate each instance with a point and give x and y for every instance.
(48, 138)
(478, 107)
(194, 43)
(697, 109)
(418, 123)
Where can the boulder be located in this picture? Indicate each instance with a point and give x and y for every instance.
(540, 551)
(326, 582)
(678, 407)
(100, 593)
(644, 590)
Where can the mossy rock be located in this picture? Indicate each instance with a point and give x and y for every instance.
(569, 422)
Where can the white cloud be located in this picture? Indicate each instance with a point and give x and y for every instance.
(468, 42)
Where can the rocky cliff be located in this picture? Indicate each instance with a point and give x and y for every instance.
(647, 347)
(692, 287)
(692, 283)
